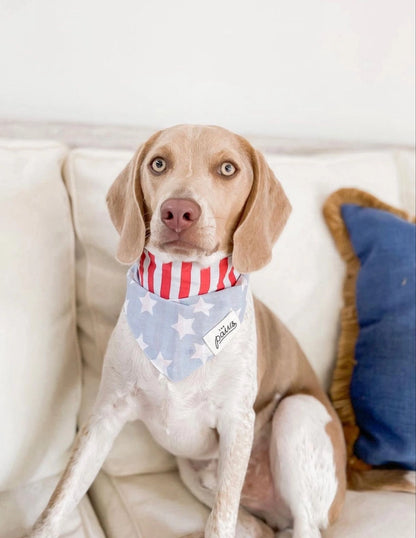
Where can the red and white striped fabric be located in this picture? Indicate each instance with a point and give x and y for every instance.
(178, 280)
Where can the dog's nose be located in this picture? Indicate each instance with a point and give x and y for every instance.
(179, 213)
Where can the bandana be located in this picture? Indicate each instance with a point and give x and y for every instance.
(182, 314)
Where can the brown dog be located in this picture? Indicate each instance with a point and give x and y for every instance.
(255, 435)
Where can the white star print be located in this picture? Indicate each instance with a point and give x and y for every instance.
(141, 342)
(201, 353)
(147, 303)
(161, 364)
(183, 326)
(202, 306)
(126, 305)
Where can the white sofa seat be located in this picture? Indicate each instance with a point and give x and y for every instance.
(159, 506)
(156, 505)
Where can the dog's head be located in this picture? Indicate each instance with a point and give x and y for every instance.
(198, 193)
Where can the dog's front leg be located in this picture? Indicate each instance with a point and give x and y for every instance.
(235, 441)
(90, 449)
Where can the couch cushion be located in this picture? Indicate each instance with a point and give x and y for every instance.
(375, 514)
(159, 506)
(302, 284)
(20, 507)
(39, 361)
(146, 506)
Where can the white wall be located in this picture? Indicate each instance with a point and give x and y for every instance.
(340, 69)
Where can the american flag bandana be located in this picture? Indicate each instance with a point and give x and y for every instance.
(183, 315)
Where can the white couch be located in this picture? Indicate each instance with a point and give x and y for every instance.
(61, 290)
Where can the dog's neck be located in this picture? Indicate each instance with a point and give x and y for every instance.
(178, 280)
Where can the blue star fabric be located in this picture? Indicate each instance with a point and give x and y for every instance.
(174, 333)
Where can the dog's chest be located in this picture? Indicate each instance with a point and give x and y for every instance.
(183, 416)
(182, 421)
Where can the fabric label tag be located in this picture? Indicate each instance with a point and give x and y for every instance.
(222, 333)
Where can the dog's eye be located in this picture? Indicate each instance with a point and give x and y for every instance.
(158, 165)
(227, 169)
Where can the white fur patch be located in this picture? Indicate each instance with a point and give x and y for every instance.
(302, 461)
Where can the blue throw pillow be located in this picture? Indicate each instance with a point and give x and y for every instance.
(383, 383)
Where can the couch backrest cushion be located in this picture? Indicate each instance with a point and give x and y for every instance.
(302, 284)
(39, 358)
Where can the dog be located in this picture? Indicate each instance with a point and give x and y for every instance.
(255, 436)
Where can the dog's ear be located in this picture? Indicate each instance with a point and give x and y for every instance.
(126, 206)
(264, 217)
